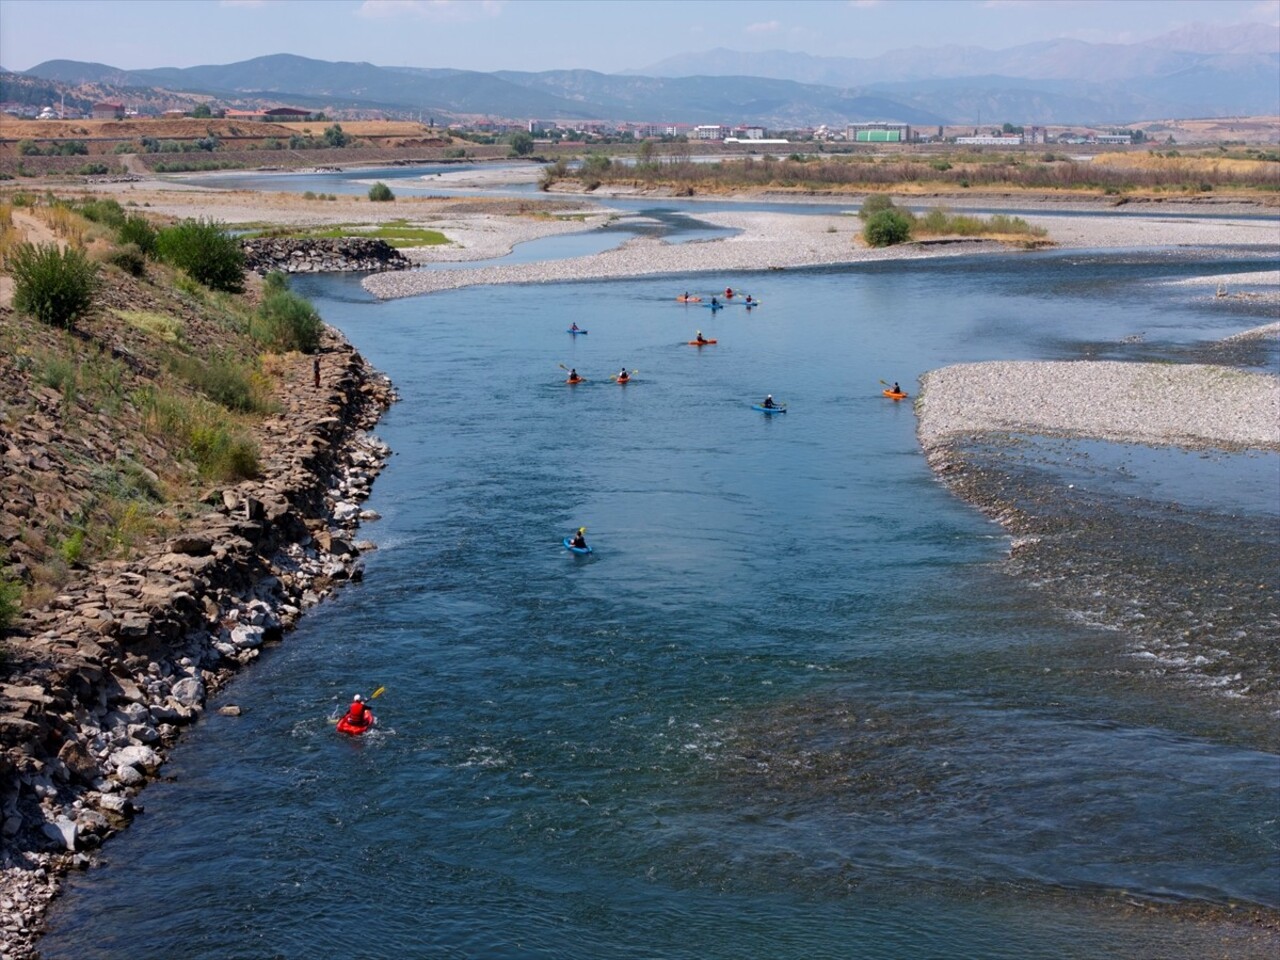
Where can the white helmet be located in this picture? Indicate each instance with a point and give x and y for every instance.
(357, 698)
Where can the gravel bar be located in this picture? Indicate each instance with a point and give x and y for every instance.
(1195, 405)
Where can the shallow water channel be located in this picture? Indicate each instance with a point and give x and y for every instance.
(794, 705)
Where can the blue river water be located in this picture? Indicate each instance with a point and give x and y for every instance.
(793, 705)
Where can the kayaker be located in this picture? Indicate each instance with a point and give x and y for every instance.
(728, 293)
(749, 298)
(358, 715)
(573, 326)
(714, 302)
(579, 541)
(700, 338)
(768, 402)
(896, 388)
(573, 374)
(622, 374)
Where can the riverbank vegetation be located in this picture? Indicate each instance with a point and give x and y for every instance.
(398, 233)
(126, 402)
(887, 224)
(1114, 174)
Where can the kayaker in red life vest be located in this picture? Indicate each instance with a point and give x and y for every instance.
(358, 715)
(728, 292)
(574, 326)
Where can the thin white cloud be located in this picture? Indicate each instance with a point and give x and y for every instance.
(454, 11)
(765, 26)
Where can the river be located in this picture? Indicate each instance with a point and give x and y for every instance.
(794, 705)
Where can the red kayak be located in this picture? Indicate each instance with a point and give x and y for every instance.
(346, 726)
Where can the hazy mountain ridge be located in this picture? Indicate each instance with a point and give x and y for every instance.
(1228, 71)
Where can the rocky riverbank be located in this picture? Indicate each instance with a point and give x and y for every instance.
(104, 677)
(321, 255)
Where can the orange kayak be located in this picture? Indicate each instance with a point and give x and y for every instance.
(573, 380)
(688, 299)
(624, 379)
(895, 395)
(700, 343)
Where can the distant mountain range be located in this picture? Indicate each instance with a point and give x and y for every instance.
(1199, 72)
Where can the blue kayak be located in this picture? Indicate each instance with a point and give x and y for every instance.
(714, 306)
(576, 332)
(763, 409)
(568, 545)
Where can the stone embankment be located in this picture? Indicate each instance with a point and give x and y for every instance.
(321, 255)
(105, 676)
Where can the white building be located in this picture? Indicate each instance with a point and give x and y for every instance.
(991, 140)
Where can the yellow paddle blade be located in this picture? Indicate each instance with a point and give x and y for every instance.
(377, 693)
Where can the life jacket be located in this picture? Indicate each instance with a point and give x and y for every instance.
(358, 715)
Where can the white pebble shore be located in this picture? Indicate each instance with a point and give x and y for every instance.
(1197, 405)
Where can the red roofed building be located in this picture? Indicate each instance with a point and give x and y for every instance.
(108, 111)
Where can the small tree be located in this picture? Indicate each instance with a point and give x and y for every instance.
(380, 192)
(202, 111)
(205, 252)
(334, 136)
(886, 228)
(522, 143)
(54, 286)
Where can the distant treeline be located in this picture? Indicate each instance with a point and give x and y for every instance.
(1046, 172)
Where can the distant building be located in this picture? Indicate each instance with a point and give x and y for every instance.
(286, 113)
(230, 114)
(708, 131)
(878, 132)
(991, 140)
(1114, 138)
(108, 111)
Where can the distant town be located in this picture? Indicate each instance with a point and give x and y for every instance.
(609, 131)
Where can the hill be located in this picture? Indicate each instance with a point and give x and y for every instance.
(1053, 82)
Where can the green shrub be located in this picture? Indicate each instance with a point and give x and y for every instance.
(129, 258)
(10, 602)
(138, 231)
(308, 194)
(54, 286)
(875, 203)
(224, 381)
(205, 252)
(203, 431)
(886, 228)
(286, 321)
(107, 211)
(275, 282)
(380, 192)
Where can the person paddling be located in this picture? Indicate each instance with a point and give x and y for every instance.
(574, 326)
(359, 716)
(622, 375)
(768, 402)
(700, 338)
(579, 541)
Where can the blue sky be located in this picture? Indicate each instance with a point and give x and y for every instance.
(606, 35)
